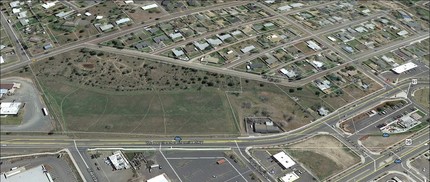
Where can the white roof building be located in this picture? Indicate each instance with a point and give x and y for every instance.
(149, 6)
(289, 74)
(10, 108)
(38, 174)
(269, 1)
(106, 27)
(119, 161)
(49, 4)
(98, 17)
(360, 29)
(1, 60)
(87, 13)
(370, 26)
(268, 24)
(366, 11)
(331, 38)
(283, 159)
(22, 14)
(122, 20)
(323, 85)
(403, 33)
(323, 111)
(317, 64)
(160, 178)
(129, 2)
(404, 67)
(247, 49)
(16, 10)
(284, 8)
(175, 35)
(314, 46)
(296, 5)
(14, 4)
(290, 177)
(236, 32)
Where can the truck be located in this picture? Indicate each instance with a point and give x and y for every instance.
(221, 161)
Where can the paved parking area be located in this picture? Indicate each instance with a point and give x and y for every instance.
(276, 171)
(370, 125)
(422, 163)
(33, 119)
(105, 171)
(61, 169)
(390, 76)
(388, 177)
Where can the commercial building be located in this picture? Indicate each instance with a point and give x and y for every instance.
(404, 67)
(39, 174)
(290, 177)
(284, 160)
(10, 108)
(119, 161)
(160, 178)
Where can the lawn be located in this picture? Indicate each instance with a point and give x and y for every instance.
(422, 97)
(148, 112)
(12, 120)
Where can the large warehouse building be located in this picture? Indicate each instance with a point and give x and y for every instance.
(404, 67)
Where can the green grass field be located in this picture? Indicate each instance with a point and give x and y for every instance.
(149, 112)
(422, 97)
(12, 120)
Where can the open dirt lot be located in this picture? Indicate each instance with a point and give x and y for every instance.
(377, 143)
(324, 155)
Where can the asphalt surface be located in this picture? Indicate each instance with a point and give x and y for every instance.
(33, 119)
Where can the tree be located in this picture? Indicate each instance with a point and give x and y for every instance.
(291, 90)
(317, 93)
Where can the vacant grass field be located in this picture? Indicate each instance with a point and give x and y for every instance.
(422, 97)
(149, 112)
(324, 155)
(12, 120)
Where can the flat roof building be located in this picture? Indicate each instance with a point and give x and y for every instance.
(49, 4)
(39, 174)
(160, 178)
(314, 46)
(10, 108)
(284, 160)
(149, 6)
(404, 67)
(106, 27)
(289, 74)
(122, 20)
(290, 177)
(119, 161)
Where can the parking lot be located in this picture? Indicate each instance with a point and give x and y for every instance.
(33, 119)
(421, 164)
(202, 166)
(275, 170)
(367, 123)
(60, 168)
(391, 77)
